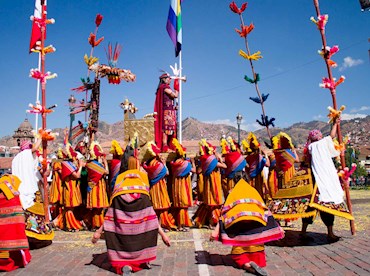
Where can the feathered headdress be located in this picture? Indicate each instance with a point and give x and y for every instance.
(224, 146)
(116, 148)
(232, 143)
(206, 148)
(70, 151)
(179, 148)
(61, 154)
(96, 150)
(282, 141)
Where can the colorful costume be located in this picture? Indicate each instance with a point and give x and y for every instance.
(246, 224)
(131, 225)
(256, 162)
(165, 118)
(291, 190)
(14, 252)
(97, 198)
(209, 211)
(235, 163)
(25, 167)
(157, 174)
(115, 164)
(181, 186)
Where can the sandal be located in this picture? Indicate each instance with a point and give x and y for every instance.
(257, 269)
(126, 270)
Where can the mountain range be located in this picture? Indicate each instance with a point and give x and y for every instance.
(194, 130)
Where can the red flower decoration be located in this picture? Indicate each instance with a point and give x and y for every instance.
(245, 30)
(92, 40)
(98, 19)
(234, 8)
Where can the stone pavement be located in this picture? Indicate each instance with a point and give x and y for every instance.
(191, 253)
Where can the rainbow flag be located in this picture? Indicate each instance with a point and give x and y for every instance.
(174, 25)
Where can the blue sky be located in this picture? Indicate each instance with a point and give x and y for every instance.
(215, 91)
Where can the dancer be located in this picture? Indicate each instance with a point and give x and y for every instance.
(256, 159)
(211, 162)
(182, 193)
(328, 195)
(14, 248)
(246, 224)
(157, 173)
(234, 160)
(114, 165)
(131, 226)
(97, 197)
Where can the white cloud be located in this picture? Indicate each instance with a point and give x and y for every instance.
(247, 127)
(318, 117)
(362, 108)
(352, 116)
(349, 62)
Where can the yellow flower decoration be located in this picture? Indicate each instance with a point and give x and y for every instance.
(253, 142)
(334, 114)
(255, 56)
(90, 60)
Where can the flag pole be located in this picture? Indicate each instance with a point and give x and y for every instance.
(38, 96)
(180, 98)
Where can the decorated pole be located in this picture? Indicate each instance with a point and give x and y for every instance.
(331, 84)
(38, 36)
(261, 98)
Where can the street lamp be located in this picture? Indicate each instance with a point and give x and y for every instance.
(72, 101)
(239, 119)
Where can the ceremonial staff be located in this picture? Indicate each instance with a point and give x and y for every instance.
(38, 36)
(331, 84)
(261, 98)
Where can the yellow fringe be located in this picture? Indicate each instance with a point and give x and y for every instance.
(295, 216)
(332, 211)
(42, 237)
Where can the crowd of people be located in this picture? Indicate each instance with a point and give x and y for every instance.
(242, 194)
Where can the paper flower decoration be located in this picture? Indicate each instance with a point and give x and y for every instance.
(321, 21)
(98, 20)
(255, 80)
(234, 8)
(38, 109)
(334, 114)
(36, 74)
(255, 56)
(47, 134)
(90, 60)
(331, 84)
(92, 40)
(245, 30)
(346, 173)
(258, 100)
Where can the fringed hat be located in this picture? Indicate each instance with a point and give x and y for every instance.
(250, 144)
(282, 141)
(224, 146)
(206, 148)
(25, 144)
(181, 151)
(96, 150)
(116, 149)
(61, 154)
(71, 154)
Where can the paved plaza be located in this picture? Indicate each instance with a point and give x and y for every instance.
(191, 253)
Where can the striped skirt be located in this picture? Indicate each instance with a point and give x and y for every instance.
(131, 231)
